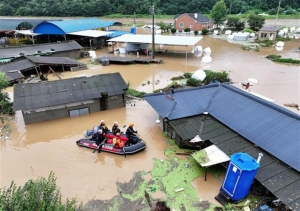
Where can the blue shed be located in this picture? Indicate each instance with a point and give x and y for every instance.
(239, 176)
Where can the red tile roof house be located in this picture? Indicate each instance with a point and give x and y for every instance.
(194, 21)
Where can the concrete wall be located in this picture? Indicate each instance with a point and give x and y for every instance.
(112, 102)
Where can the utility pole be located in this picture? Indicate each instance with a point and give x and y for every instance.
(134, 19)
(153, 41)
(277, 13)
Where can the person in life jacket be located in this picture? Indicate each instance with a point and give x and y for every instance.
(115, 128)
(117, 141)
(131, 134)
(103, 127)
(99, 139)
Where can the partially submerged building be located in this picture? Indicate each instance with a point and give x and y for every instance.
(38, 65)
(69, 49)
(268, 33)
(193, 21)
(237, 121)
(50, 100)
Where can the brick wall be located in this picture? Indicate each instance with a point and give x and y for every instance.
(189, 22)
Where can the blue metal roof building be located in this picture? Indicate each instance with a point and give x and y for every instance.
(66, 26)
(252, 121)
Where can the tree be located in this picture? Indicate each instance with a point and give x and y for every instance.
(6, 107)
(219, 12)
(255, 22)
(235, 23)
(41, 194)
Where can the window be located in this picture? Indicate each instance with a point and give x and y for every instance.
(263, 35)
(78, 112)
(191, 25)
(181, 25)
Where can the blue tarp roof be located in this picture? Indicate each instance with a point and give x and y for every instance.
(271, 127)
(68, 26)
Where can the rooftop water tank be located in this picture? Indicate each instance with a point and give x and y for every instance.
(239, 176)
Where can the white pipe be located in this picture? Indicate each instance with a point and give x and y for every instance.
(259, 157)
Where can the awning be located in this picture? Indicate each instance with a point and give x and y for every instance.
(210, 156)
(91, 33)
(26, 32)
(158, 39)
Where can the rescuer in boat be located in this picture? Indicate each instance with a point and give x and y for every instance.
(99, 139)
(117, 141)
(131, 133)
(115, 128)
(103, 127)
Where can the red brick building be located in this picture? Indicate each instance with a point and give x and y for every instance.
(194, 21)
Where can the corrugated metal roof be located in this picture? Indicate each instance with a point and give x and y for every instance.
(14, 52)
(159, 39)
(53, 60)
(66, 91)
(271, 127)
(276, 176)
(68, 26)
(17, 24)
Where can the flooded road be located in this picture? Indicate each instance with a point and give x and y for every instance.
(36, 149)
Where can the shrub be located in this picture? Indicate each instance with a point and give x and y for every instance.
(187, 30)
(277, 58)
(193, 82)
(220, 76)
(135, 93)
(173, 30)
(41, 194)
(205, 31)
(196, 32)
(177, 78)
(248, 30)
(187, 75)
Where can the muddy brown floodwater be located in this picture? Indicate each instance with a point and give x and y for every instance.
(36, 149)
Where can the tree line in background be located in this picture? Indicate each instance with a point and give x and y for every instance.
(90, 8)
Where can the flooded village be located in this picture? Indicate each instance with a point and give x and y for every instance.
(216, 147)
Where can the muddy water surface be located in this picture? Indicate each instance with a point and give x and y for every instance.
(36, 149)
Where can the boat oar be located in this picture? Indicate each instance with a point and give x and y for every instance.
(99, 146)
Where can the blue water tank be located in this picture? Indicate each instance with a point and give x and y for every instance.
(239, 176)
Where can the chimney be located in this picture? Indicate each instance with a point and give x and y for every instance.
(196, 15)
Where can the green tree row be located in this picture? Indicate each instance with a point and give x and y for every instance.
(90, 8)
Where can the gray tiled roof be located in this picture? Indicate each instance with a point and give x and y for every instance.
(13, 70)
(13, 52)
(53, 60)
(271, 127)
(52, 93)
(270, 28)
(282, 181)
(199, 18)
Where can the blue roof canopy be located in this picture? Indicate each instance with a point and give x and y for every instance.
(67, 26)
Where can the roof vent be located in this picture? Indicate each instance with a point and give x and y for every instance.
(196, 15)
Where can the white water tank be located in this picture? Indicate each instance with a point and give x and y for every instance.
(227, 32)
(206, 59)
(199, 75)
(280, 44)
